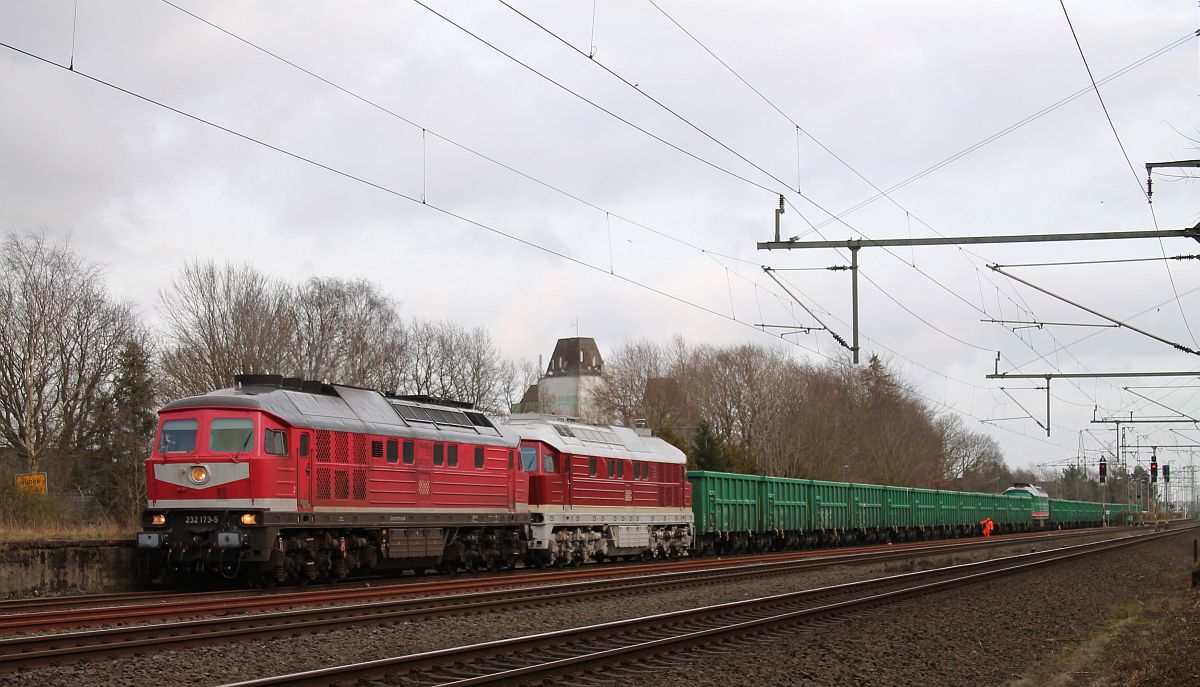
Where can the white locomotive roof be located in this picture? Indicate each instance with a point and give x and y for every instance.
(595, 440)
(1031, 489)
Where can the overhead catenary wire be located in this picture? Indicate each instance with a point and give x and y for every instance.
(1183, 40)
(692, 125)
(385, 189)
(447, 139)
(1125, 325)
(837, 157)
(436, 208)
(1136, 177)
(1097, 262)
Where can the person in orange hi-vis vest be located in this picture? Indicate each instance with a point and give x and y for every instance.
(987, 526)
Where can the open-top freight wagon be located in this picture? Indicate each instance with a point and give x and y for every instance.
(736, 513)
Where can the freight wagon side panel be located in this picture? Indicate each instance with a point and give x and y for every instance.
(899, 506)
(785, 503)
(724, 502)
(924, 507)
(867, 510)
(831, 505)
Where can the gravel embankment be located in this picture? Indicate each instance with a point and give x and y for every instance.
(980, 636)
(984, 635)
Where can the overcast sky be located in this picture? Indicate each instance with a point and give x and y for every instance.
(655, 242)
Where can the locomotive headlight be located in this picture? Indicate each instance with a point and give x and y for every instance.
(158, 519)
(198, 474)
(249, 519)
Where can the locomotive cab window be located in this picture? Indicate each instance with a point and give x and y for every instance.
(275, 442)
(479, 457)
(528, 459)
(548, 464)
(592, 467)
(452, 455)
(438, 456)
(231, 435)
(408, 453)
(178, 436)
(304, 445)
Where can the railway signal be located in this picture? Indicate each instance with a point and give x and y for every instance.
(1103, 469)
(1153, 468)
(1166, 473)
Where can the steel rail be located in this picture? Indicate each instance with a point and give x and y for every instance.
(78, 645)
(111, 611)
(593, 646)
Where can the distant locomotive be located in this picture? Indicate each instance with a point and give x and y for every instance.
(280, 480)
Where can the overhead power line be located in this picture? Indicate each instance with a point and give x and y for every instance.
(391, 191)
(1136, 178)
(1177, 346)
(547, 185)
(447, 139)
(445, 211)
(881, 192)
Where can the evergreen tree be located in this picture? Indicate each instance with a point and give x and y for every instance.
(708, 452)
(114, 465)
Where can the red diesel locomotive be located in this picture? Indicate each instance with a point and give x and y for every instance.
(280, 480)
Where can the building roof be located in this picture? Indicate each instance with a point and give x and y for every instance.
(575, 357)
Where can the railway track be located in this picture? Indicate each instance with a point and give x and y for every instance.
(559, 655)
(25, 615)
(17, 652)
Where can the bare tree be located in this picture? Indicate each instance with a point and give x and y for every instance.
(621, 394)
(447, 361)
(347, 332)
(222, 321)
(60, 338)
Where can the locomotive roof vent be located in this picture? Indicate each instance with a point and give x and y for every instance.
(292, 383)
(434, 400)
(274, 381)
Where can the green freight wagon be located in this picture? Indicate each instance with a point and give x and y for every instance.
(727, 510)
(784, 506)
(1065, 513)
(739, 513)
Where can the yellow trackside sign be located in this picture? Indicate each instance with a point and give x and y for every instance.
(32, 483)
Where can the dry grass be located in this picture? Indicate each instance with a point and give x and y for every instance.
(1153, 642)
(1161, 646)
(34, 517)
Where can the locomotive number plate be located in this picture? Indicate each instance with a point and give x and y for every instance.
(199, 519)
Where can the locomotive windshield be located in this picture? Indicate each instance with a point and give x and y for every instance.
(178, 436)
(528, 459)
(231, 435)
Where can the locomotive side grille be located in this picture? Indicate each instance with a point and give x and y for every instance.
(322, 446)
(341, 447)
(324, 492)
(360, 454)
(341, 485)
(360, 484)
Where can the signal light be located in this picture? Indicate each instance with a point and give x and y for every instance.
(249, 519)
(158, 519)
(1153, 468)
(1166, 473)
(1103, 469)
